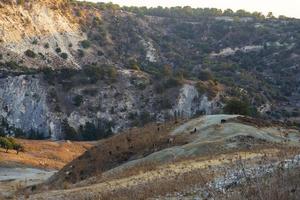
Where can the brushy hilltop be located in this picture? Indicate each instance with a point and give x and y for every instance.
(74, 67)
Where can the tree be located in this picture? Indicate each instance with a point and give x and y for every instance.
(228, 12)
(205, 75)
(5, 144)
(78, 100)
(69, 132)
(18, 148)
(270, 15)
(167, 70)
(236, 106)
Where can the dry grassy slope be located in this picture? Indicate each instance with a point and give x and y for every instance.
(143, 163)
(43, 154)
(31, 27)
(139, 150)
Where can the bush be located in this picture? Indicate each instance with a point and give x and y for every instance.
(205, 76)
(69, 132)
(58, 50)
(85, 44)
(64, 56)
(30, 53)
(172, 82)
(80, 53)
(92, 132)
(46, 46)
(77, 100)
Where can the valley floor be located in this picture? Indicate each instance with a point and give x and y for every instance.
(40, 160)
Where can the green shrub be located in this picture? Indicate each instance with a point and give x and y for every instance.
(58, 50)
(69, 132)
(92, 132)
(205, 75)
(85, 44)
(64, 56)
(46, 46)
(172, 82)
(77, 100)
(80, 53)
(30, 53)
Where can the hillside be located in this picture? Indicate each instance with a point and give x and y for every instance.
(40, 160)
(74, 70)
(211, 156)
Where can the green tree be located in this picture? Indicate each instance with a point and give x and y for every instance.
(69, 132)
(236, 106)
(5, 144)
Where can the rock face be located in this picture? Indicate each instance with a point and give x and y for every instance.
(42, 29)
(26, 103)
(23, 102)
(190, 102)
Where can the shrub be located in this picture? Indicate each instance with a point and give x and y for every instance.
(77, 100)
(85, 44)
(92, 132)
(46, 46)
(145, 117)
(64, 56)
(94, 73)
(35, 42)
(21, 2)
(80, 53)
(30, 53)
(58, 50)
(205, 75)
(172, 82)
(201, 88)
(35, 135)
(69, 132)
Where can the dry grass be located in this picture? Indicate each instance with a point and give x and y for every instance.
(132, 144)
(283, 184)
(160, 186)
(44, 154)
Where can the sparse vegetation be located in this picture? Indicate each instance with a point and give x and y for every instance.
(30, 53)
